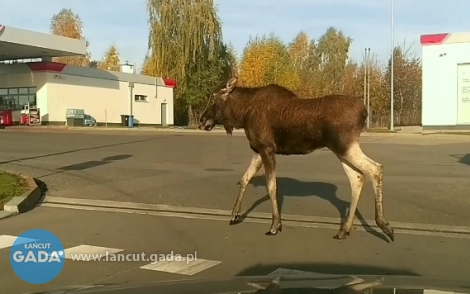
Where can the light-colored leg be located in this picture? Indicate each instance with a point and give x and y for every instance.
(356, 180)
(374, 171)
(269, 161)
(255, 165)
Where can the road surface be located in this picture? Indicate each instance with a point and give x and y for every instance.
(222, 250)
(425, 190)
(426, 177)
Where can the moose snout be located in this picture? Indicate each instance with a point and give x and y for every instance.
(207, 125)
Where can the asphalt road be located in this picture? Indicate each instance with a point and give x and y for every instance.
(426, 182)
(426, 177)
(233, 250)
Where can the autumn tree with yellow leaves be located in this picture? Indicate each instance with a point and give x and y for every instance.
(266, 60)
(317, 67)
(148, 67)
(68, 24)
(111, 59)
(186, 44)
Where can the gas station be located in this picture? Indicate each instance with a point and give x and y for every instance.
(36, 90)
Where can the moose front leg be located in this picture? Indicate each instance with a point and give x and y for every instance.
(269, 162)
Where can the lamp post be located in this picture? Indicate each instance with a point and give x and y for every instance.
(367, 84)
(131, 117)
(391, 70)
(129, 68)
(368, 88)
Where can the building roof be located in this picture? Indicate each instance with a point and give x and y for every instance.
(23, 44)
(445, 38)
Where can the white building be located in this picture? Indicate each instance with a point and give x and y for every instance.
(446, 81)
(55, 87)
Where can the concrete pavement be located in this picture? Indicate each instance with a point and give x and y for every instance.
(230, 248)
(426, 177)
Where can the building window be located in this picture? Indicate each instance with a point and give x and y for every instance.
(17, 98)
(140, 98)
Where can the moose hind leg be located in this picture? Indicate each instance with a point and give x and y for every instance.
(374, 171)
(356, 180)
(252, 169)
(269, 162)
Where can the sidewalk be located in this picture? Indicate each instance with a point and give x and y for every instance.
(381, 132)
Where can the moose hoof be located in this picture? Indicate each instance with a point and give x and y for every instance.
(391, 234)
(235, 220)
(341, 235)
(387, 229)
(273, 232)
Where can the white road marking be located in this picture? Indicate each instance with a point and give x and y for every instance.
(182, 267)
(89, 250)
(8, 241)
(90, 253)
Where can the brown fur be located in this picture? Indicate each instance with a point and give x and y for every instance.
(300, 126)
(277, 121)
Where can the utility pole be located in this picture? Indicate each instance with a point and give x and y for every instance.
(392, 70)
(365, 76)
(131, 96)
(368, 88)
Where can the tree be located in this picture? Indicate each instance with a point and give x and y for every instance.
(148, 66)
(68, 24)
(111, 60)
(94, 63)
(185, 43)
(301, 52)
(266, 60)
(233, 62)
(253, 64)
(322, 67)
(332, 51)
(407, 86)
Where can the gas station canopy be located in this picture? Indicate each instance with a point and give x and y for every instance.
(23, 44)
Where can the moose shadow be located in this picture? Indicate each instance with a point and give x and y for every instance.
(288, 187)
(463, 158)
(94, 163)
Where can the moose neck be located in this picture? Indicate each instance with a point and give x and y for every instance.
(237, 106)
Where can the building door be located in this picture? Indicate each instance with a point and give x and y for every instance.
(463, 95)
(163, 115)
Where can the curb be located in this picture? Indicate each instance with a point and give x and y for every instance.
(23, 203)
(319, 222)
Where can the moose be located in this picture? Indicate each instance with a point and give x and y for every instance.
(276, 121)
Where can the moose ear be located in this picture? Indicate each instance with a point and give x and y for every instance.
(231, 84)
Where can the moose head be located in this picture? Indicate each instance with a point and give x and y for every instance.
(215, 112)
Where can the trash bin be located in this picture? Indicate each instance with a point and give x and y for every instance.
(75, 121)
(124, 120)
(130, 121)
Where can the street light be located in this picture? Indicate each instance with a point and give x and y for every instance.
(391, 71)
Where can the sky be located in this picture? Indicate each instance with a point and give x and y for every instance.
(367, 22)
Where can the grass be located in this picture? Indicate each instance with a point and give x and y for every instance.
(11, 186)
